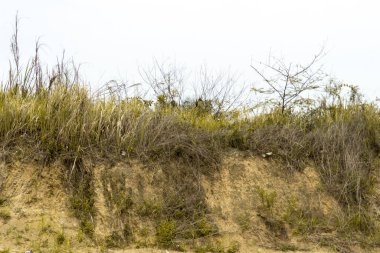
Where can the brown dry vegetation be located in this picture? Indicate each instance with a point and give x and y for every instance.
(86, 173)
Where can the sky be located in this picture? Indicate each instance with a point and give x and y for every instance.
(112, 38)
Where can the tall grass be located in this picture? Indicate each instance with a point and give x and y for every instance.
(66, 121)
(51, 115)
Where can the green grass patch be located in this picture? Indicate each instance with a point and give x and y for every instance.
(5, 215)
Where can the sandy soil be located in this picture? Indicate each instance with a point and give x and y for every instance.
(38, 205)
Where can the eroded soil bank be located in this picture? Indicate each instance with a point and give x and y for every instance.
(251, 205)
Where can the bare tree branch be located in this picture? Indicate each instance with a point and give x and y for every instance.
(288, 82)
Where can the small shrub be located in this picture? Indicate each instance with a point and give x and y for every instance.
(213, 247)
(275, 225)
(304, 219)
(166, 233)
(5, 215)
(267, 198)
(244, 221)
(233, 248)
(113, 240)
(80, 236)
(149, 208)
(127, 232)
(45, 227)
(88, 228)
(60, 239)
(361, 221)
(118, 239)
(286, 247)
(3, 201)
(204, 228)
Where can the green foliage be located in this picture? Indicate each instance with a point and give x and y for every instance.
(361, 221)
(218, 247)
(210, 247)
(5, 215)
(149, 207)
(87, 228)
(118, 197)
(203, 227)
(82, 196)
(114, 240)
(66, 121)
(233, 248)
(304, 220)
(286, 247)
(267, 198)
(3, 201)
(275, 225)
(166, 233)
(60, 238)
(244, 221)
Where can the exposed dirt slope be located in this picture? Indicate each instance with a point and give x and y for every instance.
(249, 203)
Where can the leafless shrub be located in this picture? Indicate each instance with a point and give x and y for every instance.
(339, 95)
(287, 82)
(217, 92)
(166, 80)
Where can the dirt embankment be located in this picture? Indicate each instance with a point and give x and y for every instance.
(251, 205)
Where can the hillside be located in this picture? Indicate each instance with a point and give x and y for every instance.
(108, 171)
(250, 205)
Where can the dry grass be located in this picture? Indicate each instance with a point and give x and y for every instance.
(67, 122)
(51, 116)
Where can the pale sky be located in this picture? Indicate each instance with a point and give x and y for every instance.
(111, 38)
